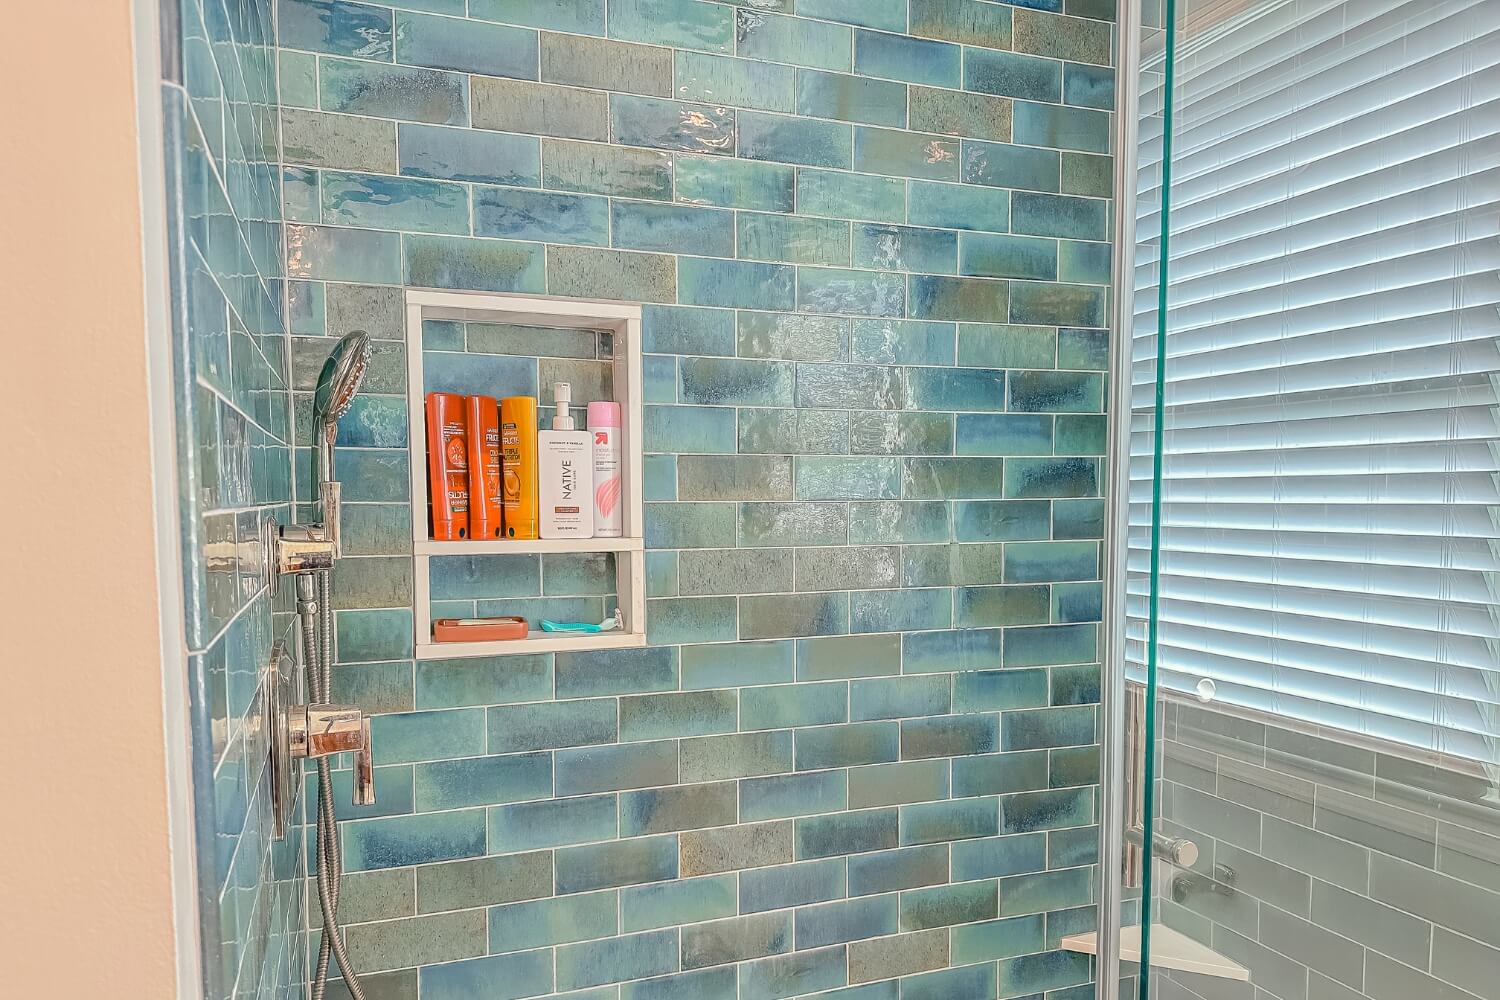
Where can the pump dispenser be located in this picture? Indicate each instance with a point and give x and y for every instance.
(565, 482)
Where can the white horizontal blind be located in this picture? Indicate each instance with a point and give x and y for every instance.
(1331, 458)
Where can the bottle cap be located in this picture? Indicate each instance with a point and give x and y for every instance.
(603, 413)
(562, 398)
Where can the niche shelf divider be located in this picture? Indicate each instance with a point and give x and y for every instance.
(623, 321)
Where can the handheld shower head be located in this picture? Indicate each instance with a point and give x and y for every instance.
(338, 383)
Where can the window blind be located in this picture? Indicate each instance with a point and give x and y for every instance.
(1331, 449)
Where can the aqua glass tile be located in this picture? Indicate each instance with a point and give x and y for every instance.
(846, 833)
(1083, 433)
(1003, 434)
(465, 45)
(401, 92)
(594, 674)
(791, 885)
(703, 984)
(681, 807)
(588, 272)
(1011, 74)
(847, 745)
(375, 202)
(1078, 519)
(1058, 215)
(613, 170)
(850, 196)
(905, 248)
(993, 606)
(1057, 304)
(735, 284)
(373, 635)
(689, 526)
(742, 83)
(718, 758)
(992, 256)
(878, 433)
(780, 617)
(943, 905)
(1089, 86)
(1056, 127)
(334, 254)
(962, 649)
(460, 262)
(899, 610)
(1049, 644)
(899, 697)
(860, 293)
(472, 374)
(793, 524)
(1057, 392)
(299, 194)
(999, 164)
(680, 330)
(543, 922)
(905, 154)
(784, 706)
(998, 345)
(960, 206)
(747, 184)
(1048, 970)
(845, 656)
(901, 57)
(527, 826)
(949, 736)
(887, 15)
(848, 920)
(397, 841)
(475, 781)
(850, 98)
(1087, 174)
(800, 41)
(726, 381)
(343, 141)
(900, 342)
(611, 768)
(788, 139)
(903, 868)
(993, 939)
(1043, 33)
(521, 106)
(742, 663)
(999, 691)
(789, 975)
(468, 155)
(992, 857)
(829, 478)
(685, 24)
(648, 907)
(339, 29)
(958, 388)
(605, 64)
(1084, 262)
(690, 429)
(967, 21)
(793, 239)
(794, 336)
(661, 124)
(530, 972)
(666, 716)
(905, 522)
(961, 113)
(581, 16)
(610, 960)
(788, 795)
(1060, 477)
(545, 726)
(673, 229)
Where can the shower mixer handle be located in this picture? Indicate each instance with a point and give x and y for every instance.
(315, 731)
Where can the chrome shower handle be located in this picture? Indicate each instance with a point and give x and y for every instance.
(364, 768)
(315, 731)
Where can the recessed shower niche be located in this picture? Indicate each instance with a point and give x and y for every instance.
(499, 346)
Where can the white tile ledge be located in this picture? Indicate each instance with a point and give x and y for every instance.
(1169, 950)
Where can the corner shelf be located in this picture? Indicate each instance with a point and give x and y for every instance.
(623, 321)
(1170, 949)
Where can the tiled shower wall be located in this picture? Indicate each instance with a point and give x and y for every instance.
(1329, 870)
(232, 420)
(860, 750)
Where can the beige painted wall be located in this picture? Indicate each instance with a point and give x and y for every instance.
(85, 889)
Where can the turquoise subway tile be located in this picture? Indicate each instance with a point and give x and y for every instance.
(661, 567)
(848, 478)
(846, 920)
(543, 922)
(1077, 602)
(1059, 215)
(999, 773)
(899, 610)
(899, 697)
(604, 64)
(747, 184)
(299, 194)
(1056, 477)
(472, 374)
(793, 239)
(616, 863)
(736, 939)
(999, 345)
(673, 229)
(742, 663)
(945, 905)
(363, 636)
(850, 98)
(1087, 174)
(736, 382)
(888, 990)
(1084, 262)
(992, 256)
(660, 124)
(510, 213)
(704, 984)
(970, 22)
(894, 784)
(548, 725)
(613, 170)
(993, 939)
(665, 716)
(539, 109)
(718, 758)
(957, 388)
(375, 475)
(1049, 644)
(1078, 846)
(659, 376)
(901, 57)
(742, 83)
(999, 690)
(999, 164)
(523, 974)
(342, 141)
(1069, 767)
(578, 573)
(960, 206)
(582, 16)
(905, 522)
(460, 262)
(691, 619)
(461, 885)
(839, 657)
(905, 154)
(844, 195)
(736, 284)
(734, 571)
(306, 308)
(1048, 970)
(468, 155)
(393, 791)
(466, 46)
(476, 781)
(611, 768)
(1046, 562)
(793, 524)
(847, 745)
(998, 856)
(973, 982)
(1003, 434)
(795, 336)
(610, 274)
(664, 904)
(905, 248)
(861, 293)
(1089, 86)
(682, 807)
(846, 833)
(787, 795)
(612, 960)
(685, 24)
(338, 29)
(795, 974)
(764, 35)
(949, 736)
(962, 649)
(903, 868)
(788, 616)
(950, 565)
(978, 607)
(299, 79)
(852, 386)
(788, 139)
(1001, 520)
(961, 113)
(1050, 727)
(1011, 74)
(786, 706)
(681, 330)
(689, 526)
(552, 823)
(424, 95)
(1056, 127)
(876, 433)
(791, 885)
(333, 254)
(592, 674)
(1046, 891)
(1057, 37)
(397, 841)
(894, 341)
(958, 478)
(887, 15)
